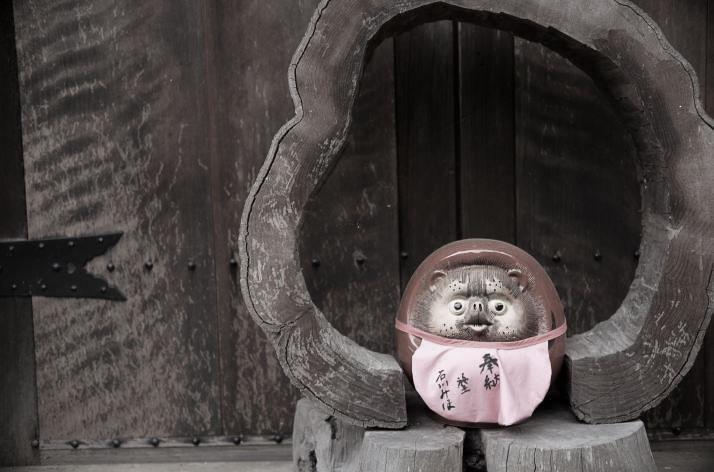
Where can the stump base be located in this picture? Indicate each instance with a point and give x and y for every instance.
(322, 443)
(552, 440)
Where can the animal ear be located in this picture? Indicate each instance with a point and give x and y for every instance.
(520, 278)
(436, 276)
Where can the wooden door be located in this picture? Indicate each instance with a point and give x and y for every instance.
(154, 119)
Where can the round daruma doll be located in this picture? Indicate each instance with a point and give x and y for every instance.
(481, 332)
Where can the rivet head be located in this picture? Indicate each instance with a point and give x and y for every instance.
(359, 260)
(74, 443)
(237, 440)
(103, 289)
(116, 443)
(11, 248)
(597, 255)
(110, 267)
(13, 286)
(315, 262)
(404, 254)
(191, 265)
(35, 443)
(149, 265)
(278, 438)
(636, 254)
(676, 430)
(73, 288)
(70, 243)
(195, 440)
(556, 257)
(154, 442)
(43, 287)
(56, 267)
(233, 262)
(100, 240)
(41, 245)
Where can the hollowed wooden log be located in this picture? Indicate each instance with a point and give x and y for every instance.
(618, 369)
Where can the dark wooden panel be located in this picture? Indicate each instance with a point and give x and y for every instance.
(578, 193)
(486, 174)
(350, 227)
(708, 82)
(18, 395)
(685, 28)
(249, 46)
(115, 139)
(426, 148)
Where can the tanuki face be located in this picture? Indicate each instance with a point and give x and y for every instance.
(480, 303)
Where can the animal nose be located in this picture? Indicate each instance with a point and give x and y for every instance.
(478, 306)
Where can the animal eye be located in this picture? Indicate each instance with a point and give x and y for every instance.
(457, 306)
(497, 306)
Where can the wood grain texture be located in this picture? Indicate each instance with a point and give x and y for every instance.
(577, 187)
(619, 368)
(18, 392)
(248, 49)
(426, 131)
(350, 227)
(685, 29)
(330, 369)
(114, 137)
(554, 440)
(324, 444)
(486, 176)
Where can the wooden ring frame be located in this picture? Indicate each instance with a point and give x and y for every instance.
(622, 366)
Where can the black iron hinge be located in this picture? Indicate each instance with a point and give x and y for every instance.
(55, 268)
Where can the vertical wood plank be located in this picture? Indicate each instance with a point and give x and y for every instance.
(350, 226)
(114, 133)
(426, 149)
(708, 347)
(577, 189)
(486, 174)
(248, 49)
(685, 27)
(18, 395)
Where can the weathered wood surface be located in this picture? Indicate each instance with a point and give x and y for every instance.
(685, 29)
(709, 103)
(620, 368)
(322, 443)
(248, 48)
(349, 244)
(18, 393)
(114, 135)
(553, 440)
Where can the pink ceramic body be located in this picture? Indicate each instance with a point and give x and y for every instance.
(480, 252)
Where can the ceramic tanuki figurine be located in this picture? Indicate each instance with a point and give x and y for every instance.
(481, 332)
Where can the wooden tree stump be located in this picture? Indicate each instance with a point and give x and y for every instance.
(554, 440)
(618, 369)
(322, 443)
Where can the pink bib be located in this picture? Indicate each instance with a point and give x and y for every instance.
(481, 382)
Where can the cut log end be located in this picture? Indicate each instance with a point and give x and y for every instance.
(554, 440)
(323, 443)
